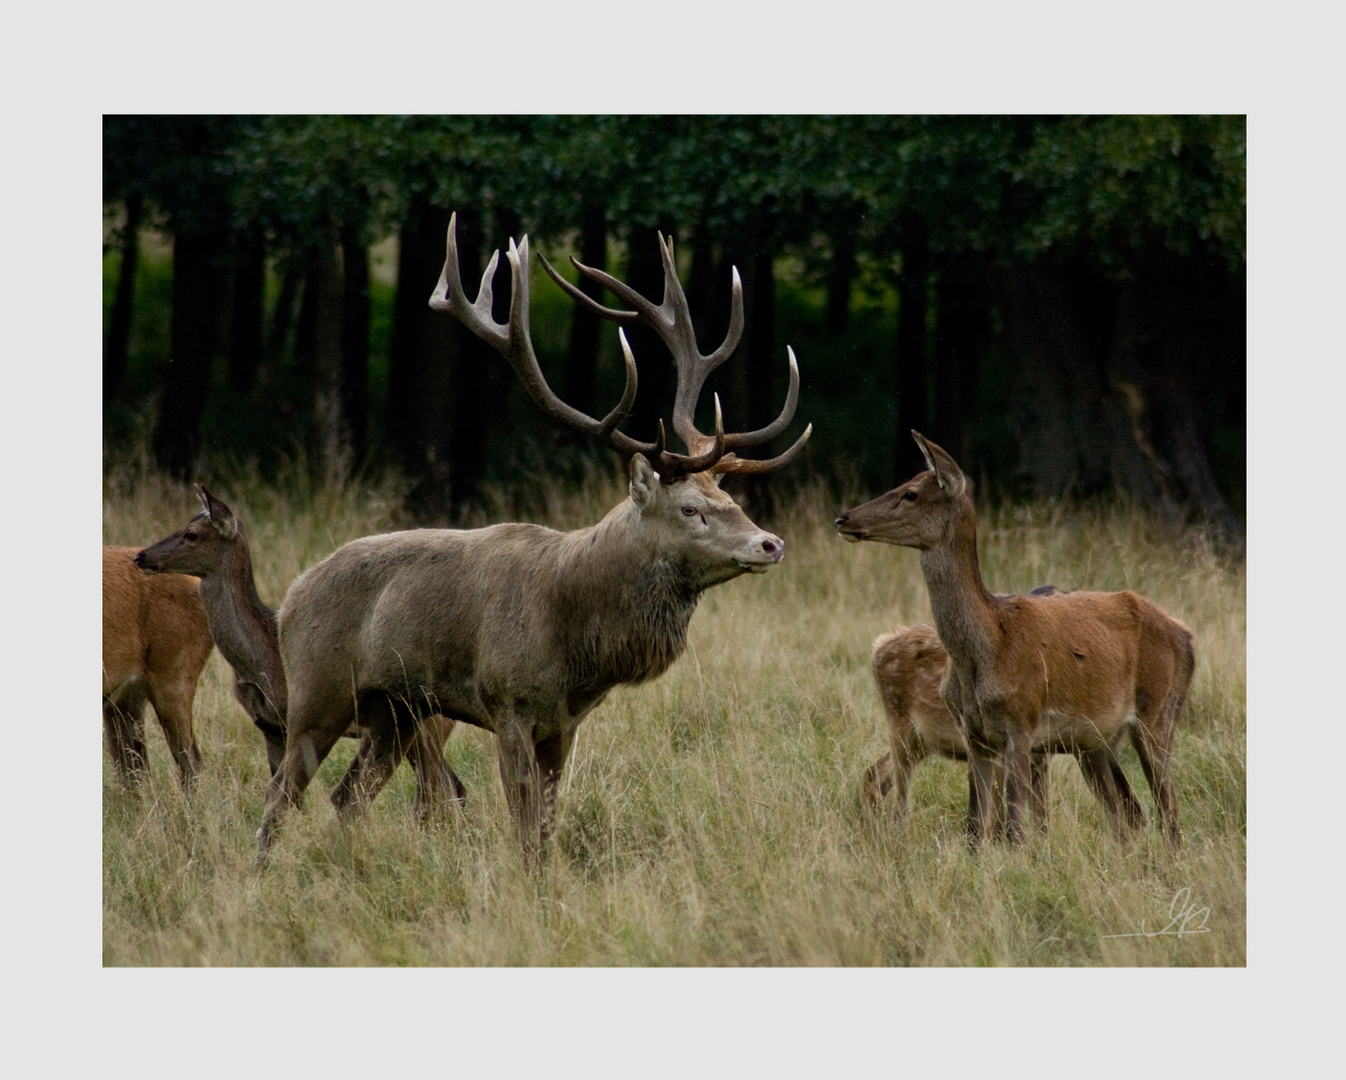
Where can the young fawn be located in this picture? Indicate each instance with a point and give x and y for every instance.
(155, 643)
(1067, 673)
(214, 547)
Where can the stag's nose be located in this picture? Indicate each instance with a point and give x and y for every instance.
(841, 520)
(139, 559)
(773, 547)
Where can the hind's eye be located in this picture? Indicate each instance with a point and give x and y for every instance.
(910, 496)
(189, 536)
(689, 511)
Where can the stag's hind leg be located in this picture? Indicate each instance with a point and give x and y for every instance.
(389, 729)
(437, 785)
(314, 724)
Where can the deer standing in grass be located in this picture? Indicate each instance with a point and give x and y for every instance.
(516, 628)
(909, 670)
(1067, 673)
(155, 643)
(214, 547)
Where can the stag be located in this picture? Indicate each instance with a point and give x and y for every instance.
(155, 643)
(516, 628)
(1067, 673)
(214, 547)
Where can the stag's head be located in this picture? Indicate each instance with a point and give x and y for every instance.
(677, 495)
(198, 547)
(918, 514)
(695, 522)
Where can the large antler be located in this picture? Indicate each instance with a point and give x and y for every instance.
(513, 342)
(672, 321)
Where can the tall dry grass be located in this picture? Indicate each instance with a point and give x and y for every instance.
(712, 817)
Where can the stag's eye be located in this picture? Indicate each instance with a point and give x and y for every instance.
(910, 496)
(689, 511)
(189, 536)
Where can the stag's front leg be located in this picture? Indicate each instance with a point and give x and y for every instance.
(552, 754)
(522, 780)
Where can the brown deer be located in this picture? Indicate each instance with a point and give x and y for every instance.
(1066, 673)
(214, 547)
(516, 628)
(909, 669)
(155, 643)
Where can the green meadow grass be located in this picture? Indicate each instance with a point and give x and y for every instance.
(713, 816)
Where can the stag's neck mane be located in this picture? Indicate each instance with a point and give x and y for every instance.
(243, 627)
(965, 613)
(625, 604)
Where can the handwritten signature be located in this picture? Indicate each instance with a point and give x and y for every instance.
(1182, 914)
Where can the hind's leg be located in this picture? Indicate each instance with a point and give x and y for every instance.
(125, 730)
(1154, 759)
(878, 782)
(173, 707)
(1103, 773)
(1038, 788)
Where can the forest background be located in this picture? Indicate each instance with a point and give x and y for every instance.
(1058, 301)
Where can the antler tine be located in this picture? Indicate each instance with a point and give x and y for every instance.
(766, 434)
(514, 342)
(731, 464)
(672, 466)
(672, 321)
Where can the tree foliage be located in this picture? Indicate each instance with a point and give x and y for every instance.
(965, 220)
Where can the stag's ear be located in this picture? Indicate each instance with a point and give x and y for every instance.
(644, 482)
(946, 470)
(221, 517)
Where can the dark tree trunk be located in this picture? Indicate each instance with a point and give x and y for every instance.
(355, 319)
(481, 377)
(245, 325)
(323, 302)
(750, 375)
(283, 317)
(645, 274)
(1104, 394)
(840, 275)
(117, 347)
(581, 368)
(199, 261)
(709, 290)
(912, 315)
(963, 321)
(423, 351)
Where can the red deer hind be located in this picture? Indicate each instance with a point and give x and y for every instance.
(516, 628)
(1064, 674)
(909, 670)
(214, 547)
(155, 643)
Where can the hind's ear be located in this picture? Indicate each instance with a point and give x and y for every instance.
(946, 470)
(222, 519)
